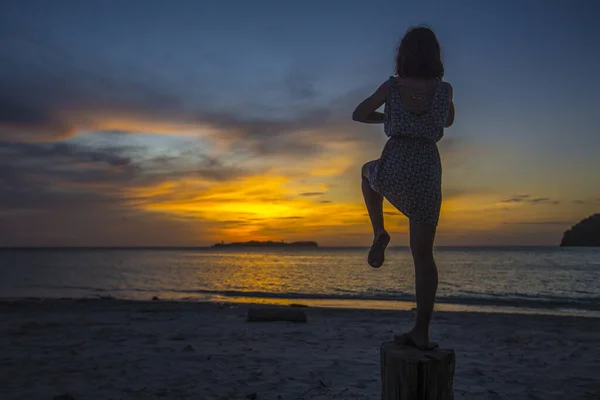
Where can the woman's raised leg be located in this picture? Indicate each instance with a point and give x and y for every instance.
(374, 203)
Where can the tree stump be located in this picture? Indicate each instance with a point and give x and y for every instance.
(408, 373)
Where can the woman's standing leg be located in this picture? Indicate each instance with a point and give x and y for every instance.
(426, 280)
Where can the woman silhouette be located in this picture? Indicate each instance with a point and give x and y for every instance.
(418, 106)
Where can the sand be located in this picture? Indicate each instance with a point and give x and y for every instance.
(113, 349)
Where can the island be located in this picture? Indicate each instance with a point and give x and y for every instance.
(584, 233)
(255, 243)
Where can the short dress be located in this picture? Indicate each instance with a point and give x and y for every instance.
(409, 172)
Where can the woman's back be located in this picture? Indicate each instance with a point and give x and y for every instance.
(417, 108)
(417, 95)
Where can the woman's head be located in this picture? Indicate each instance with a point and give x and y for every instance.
(418, 55)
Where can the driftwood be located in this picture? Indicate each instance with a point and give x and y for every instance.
(276, 314)
(408, 373)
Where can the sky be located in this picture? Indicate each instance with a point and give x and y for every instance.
(185, 123)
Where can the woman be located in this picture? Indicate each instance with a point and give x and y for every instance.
(418, 106)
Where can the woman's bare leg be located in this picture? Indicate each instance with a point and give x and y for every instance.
(374, 203)
(426, 280)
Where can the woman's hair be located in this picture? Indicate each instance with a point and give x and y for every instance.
(418, 55)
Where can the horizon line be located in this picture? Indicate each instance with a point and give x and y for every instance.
(67, 247)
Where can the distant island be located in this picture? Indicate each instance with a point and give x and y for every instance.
(255, 243)
(584, 233)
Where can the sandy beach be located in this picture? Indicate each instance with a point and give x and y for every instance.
(114, 349)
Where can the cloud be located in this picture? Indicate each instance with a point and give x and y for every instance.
(74, 153)
(307, 194)
(49, 93)
(588, 201)
(65, 175)
(243, 178)
(542, 200)
(550, 222)
(527, 199)
(516, 199)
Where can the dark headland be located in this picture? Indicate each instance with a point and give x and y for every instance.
(584, 233)
(255, 243)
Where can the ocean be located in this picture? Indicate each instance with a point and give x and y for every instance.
(550, 280)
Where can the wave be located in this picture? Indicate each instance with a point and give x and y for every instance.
(518, 300)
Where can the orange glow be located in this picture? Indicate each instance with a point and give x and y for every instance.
(257, 207)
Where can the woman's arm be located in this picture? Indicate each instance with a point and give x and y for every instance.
(366, 111)
(450, 118)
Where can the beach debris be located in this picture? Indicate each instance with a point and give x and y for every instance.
(268, 314)
(65, 396)
(189, 348)
(155, 298)
(252, 396)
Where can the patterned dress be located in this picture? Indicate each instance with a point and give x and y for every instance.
(409, 172)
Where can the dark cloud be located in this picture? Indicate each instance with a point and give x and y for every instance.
(516, 199)
(67, 151)
(527, 199)
(589, 201)
(65, 176)
(312, 194)
(539, 223)
(539, 200)
(57, 193)
(49, 94)
(30, 121)
(60, 176)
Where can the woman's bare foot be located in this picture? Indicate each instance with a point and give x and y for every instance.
(376, 255)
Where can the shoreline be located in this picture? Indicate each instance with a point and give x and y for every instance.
(333, 303)
(406, 310)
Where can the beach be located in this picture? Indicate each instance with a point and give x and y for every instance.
(117, 349)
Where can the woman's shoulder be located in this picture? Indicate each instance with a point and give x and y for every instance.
(448, 87)
(386, 85)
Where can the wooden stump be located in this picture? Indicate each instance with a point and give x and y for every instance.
(276, 314)
(408, 373)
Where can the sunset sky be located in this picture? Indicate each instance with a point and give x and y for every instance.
(178, 123)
